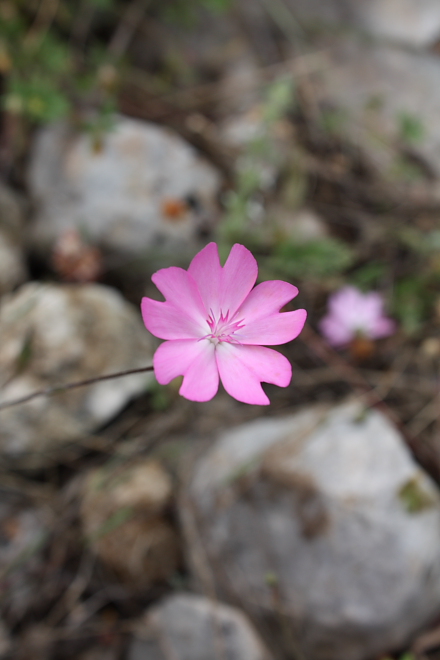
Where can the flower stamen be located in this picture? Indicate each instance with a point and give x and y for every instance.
(222, 329)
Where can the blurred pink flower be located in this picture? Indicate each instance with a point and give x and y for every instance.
(215, 322)
(352, 314)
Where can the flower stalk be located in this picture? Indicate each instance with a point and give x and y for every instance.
(57, 389)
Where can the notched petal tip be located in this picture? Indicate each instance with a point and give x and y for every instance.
(243, 368)
(301, 318)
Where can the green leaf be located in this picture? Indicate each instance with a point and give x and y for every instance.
(113, 522)
(367, 277)
(411, 302)
(279, 99)
(313, 259)
(25, 354)
(422, 242)
(410, 127)
(414, 497)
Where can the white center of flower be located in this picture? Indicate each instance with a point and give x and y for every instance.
(222, 328)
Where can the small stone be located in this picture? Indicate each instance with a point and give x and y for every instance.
(430, 347)
(121, 192)
(74, 260)
(124, 517)
(322, 516)
(190, 627)
(55, 334)
(300, 226)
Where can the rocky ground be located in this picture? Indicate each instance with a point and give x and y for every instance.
(137, 525)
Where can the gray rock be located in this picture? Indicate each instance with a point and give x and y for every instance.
(53, 334)
(306, 14)
(24, 531)
(12, 266)
(141, 191)
(325, 518)
(386, 101)
(410, 22)
(123, 514)
(190, 627)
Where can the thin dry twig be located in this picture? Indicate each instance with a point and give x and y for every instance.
(44, 18)
(56, 389)
(429, 413)
(301, 65)
(353, 377)
(128, 25)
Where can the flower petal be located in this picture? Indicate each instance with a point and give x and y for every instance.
(165, 321)
(266, 299)
(195, 361)
(206, 271)
(180, 290)
(274, 329)
(239, 274)
(200, 382)
(242, 368)
(344, 301)
(383, 327)
(173, 359)
(336, 333)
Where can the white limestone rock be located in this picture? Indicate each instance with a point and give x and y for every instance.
(414, 23)
(141, 191)
(385, 100)
(410, 22)
(54, 334)
(325, 518)
(189, 627)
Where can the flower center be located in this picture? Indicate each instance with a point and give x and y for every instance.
(222, 328)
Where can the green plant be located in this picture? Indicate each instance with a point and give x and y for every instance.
(424, 243)
(368, 277)
(315, 259)
(46, 73)
(333, 120)
(185, 11)
(410, 127)
(414, 497)
(261, 157)
(411, 303)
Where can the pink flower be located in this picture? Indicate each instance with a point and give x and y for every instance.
(353, 313)
(215, 322)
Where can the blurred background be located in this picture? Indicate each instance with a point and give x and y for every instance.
(137, 525)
